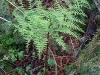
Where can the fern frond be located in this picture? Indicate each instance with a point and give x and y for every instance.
(36, 23)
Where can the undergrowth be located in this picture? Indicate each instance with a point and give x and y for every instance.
(38, 24)
(88, 62)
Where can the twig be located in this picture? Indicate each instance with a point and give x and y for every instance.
(3, 71)
(16, 7)
(11, 71)
(54, 60)
(17, 66)
(72, 43)
(4, 19)
(97, 5)
(28, 55)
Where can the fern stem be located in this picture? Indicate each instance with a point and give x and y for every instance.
(10, 10)
(46, 64)
(55, 61)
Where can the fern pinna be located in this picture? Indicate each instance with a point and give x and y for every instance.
(35, 24)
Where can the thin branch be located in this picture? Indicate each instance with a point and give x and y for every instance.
(4, 19)
(72, 43)
(16, 7)
(3, 71)
(54, 60)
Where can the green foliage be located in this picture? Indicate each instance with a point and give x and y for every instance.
(20, 70)
(90, 67)
(9, 41)
(4, 8)
(51, 62)
(88, 62)
(39, 73)
(20, 54)
(39, 24)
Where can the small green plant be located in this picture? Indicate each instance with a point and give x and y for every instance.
(51, 62)
(39, 24)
